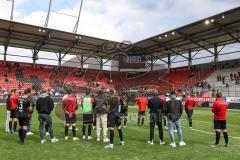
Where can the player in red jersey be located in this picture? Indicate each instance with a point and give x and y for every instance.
(190, 103)
(219, 110)
(142, 102)
(14, 111)
(69, 106)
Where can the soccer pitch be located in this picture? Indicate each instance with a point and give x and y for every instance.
(136, 148)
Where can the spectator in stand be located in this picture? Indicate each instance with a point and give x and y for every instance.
(227, 85)
(223, 79)
(142, 102)
(209, 87)
(235, 76)
(231, 76)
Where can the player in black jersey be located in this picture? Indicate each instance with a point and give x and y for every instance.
(114, 119)
(24, 110)
(124, 109)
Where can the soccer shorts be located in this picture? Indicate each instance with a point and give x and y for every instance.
(124, 112)
(87, 118)
(14, 113)
(114, 120)
(220, 124)
(70, 120)
(141, 113)
(23, 121)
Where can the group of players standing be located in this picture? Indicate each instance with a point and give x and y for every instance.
(105, 112)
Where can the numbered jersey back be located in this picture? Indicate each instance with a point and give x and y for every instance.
(23, 107)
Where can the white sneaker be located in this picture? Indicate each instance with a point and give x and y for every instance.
(162, 142)
(173, 144)
(150, 142)
(98, 139)
(43, 141)
(124, 126)
(47, 134)
(66, 138)
(105, 140)
(29, 133)
(122, 143)
(110, 146)
(182, 143)
(76, 129)
(89, 138)
(53, 140)
(83, 137)
(75, 139)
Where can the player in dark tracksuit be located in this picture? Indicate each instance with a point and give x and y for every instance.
(124, 109)
(114, 119)
(24, 110)
(155, 106)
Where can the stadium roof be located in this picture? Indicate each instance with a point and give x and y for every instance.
(221, 29)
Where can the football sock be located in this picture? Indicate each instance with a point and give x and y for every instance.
(125, 121)
(83, 130)
(111, 136)
(120, 134)
(89, 130)
(160, 131)
(10, 126)
(74, 131)
(66, 130)
(15, 126)
(225, 135)
(217, 137)
(151, 130)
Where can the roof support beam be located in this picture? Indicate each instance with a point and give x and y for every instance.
(169, 61)
(189, 58)
(59, 59)
(151, 63)
(5, 54)
(215, 54)
(35, 57)
(101, 64)
(188, 37)
(230, 34)
(167, 48)
(195, 54)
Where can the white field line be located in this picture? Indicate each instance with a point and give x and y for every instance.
(197, 130)
(210, 122)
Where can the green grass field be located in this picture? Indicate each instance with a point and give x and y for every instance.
(198, 142)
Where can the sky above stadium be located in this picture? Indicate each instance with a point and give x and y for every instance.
(117, 20)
